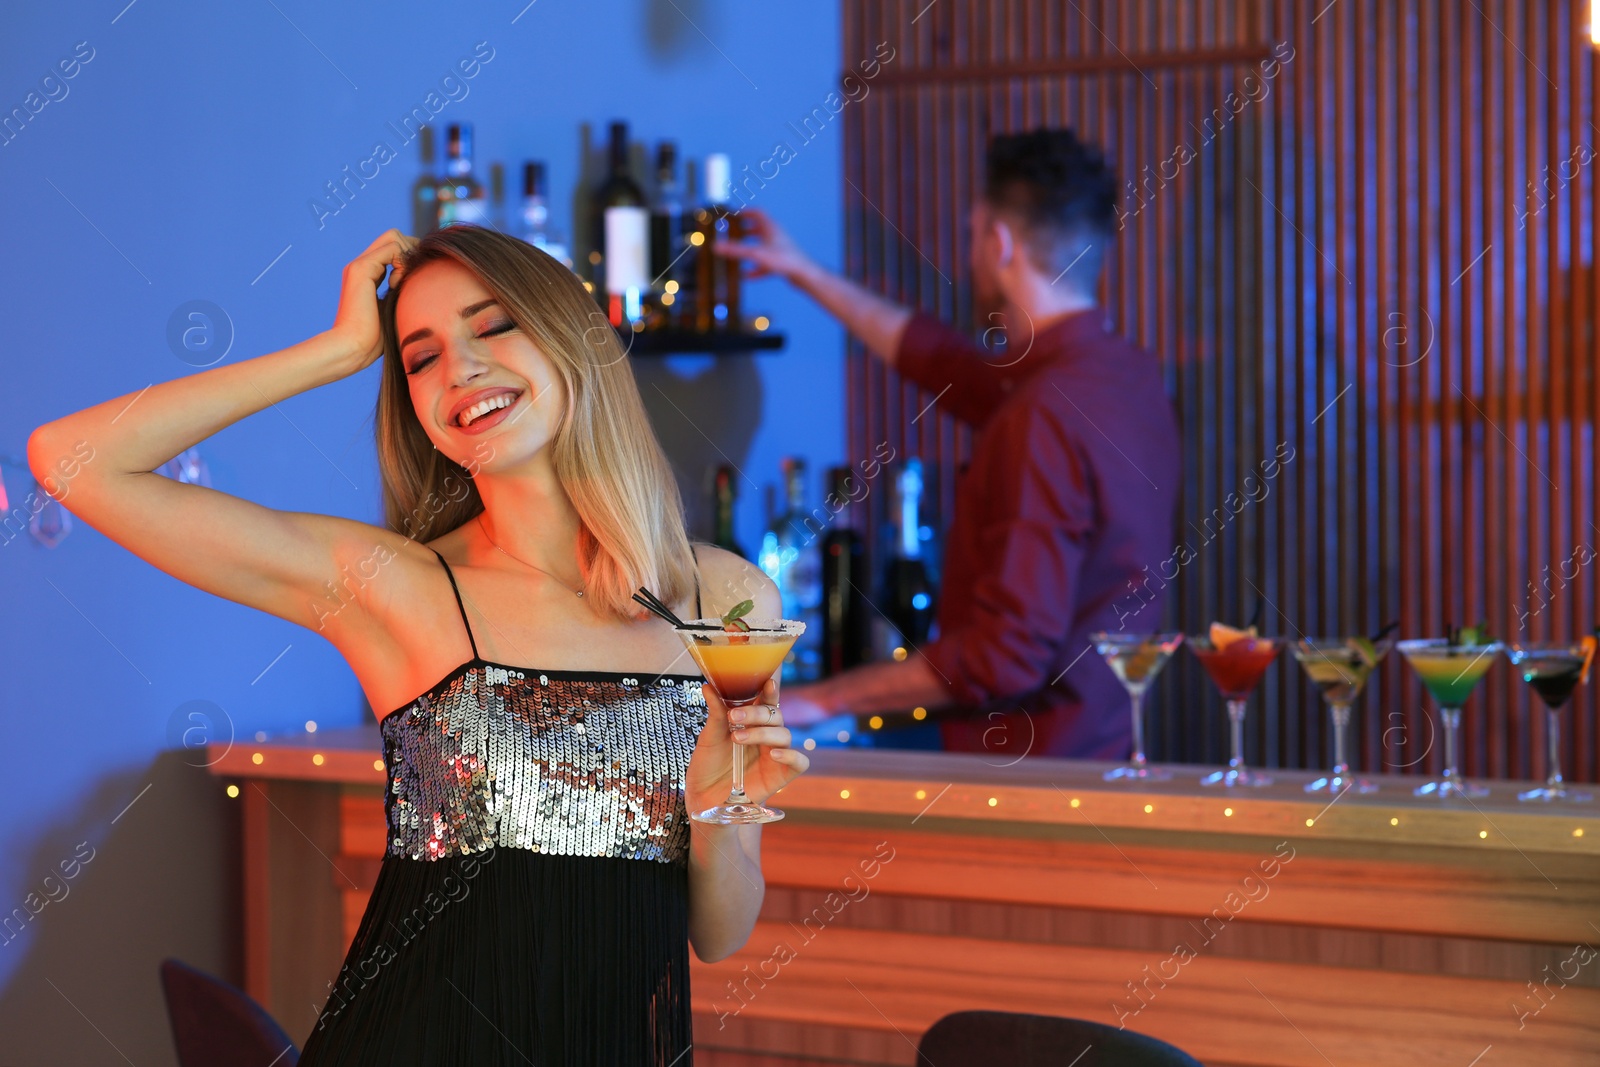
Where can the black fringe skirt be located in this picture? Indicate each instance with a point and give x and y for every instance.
(514, 958)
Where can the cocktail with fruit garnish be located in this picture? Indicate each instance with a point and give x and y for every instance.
(1339, 668)
(1136, 659)
(737, 657)
(1236, 660)
(1451, 668)
(1554, 670)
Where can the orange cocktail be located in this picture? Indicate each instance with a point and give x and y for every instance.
(738, 656)
(739, 664)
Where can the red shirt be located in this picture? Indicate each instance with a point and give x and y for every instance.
(1070, 494)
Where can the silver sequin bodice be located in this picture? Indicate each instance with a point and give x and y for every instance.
(569, 763)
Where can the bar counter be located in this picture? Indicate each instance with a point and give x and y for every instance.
(1250, 926)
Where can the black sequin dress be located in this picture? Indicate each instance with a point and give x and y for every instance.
(532, 904)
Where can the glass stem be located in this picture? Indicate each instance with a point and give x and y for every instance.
(1553, 734)
(1341, 724)
(1236, 734)
(738, 772)
(1136, 697)
(1451, 717)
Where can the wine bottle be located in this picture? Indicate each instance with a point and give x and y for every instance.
(723, 498)
(844, 578)
(792, 558)
(627, 263)
(535, 226)
(425, 190)
(461, 195)
(907, 583)
(716, 296)
(667, 239)
(617, 189)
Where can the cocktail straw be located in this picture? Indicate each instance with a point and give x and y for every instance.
(658, 607)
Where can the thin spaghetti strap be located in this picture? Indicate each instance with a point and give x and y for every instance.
(696, 581)
(460, 606)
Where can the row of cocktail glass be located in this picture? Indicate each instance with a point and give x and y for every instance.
(1339, 668)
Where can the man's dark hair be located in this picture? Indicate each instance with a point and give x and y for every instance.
(1061, 191)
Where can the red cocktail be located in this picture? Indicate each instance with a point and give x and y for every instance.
(1235, 660)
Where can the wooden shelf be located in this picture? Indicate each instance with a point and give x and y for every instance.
(676, 342)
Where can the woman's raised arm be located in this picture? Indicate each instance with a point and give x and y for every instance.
(99, 462)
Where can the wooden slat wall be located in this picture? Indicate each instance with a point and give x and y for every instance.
(1369, 264)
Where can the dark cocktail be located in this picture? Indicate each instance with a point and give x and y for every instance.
(1554, 671)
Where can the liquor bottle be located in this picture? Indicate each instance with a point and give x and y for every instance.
(667, 239)
(716, 296)
(844, 604)
(461, 196)
(908, 586)
(618, 189)
(792, 558)
(497, 196)
(425, 190)
(535, 227)
(722, 499)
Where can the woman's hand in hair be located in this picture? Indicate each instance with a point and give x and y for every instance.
(770, 764)
(356, 326)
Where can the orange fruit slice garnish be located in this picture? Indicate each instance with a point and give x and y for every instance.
(1589, 644)
(1222, 636)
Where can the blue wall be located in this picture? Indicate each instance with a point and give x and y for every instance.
(176, 164)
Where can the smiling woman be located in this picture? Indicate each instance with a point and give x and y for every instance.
(570, 387)
(519, 462)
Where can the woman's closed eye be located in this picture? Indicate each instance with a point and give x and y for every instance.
(494, 329)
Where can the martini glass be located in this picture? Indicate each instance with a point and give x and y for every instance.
(738, 664)
(1136, 659)
(1451, 673)
(1236, 669)
(1554, 670)
(1339, 668)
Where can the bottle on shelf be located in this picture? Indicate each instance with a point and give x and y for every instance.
(716, 297)
(497, 196)
(618, 190)
(723, 499)
(908, 585)
(667, 240)
(535, 226)
(425, 190)
(461, 195)
(627, 263)
(845, 637)
(791, 557)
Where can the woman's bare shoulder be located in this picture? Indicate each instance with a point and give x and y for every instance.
(727, 578)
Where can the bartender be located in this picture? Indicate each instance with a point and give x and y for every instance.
(1065, 511)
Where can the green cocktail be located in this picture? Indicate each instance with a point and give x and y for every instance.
(1451, 672)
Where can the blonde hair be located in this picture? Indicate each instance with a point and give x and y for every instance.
(604, 452)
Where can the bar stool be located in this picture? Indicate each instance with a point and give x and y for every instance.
(217, 1025)
(987, 1038)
